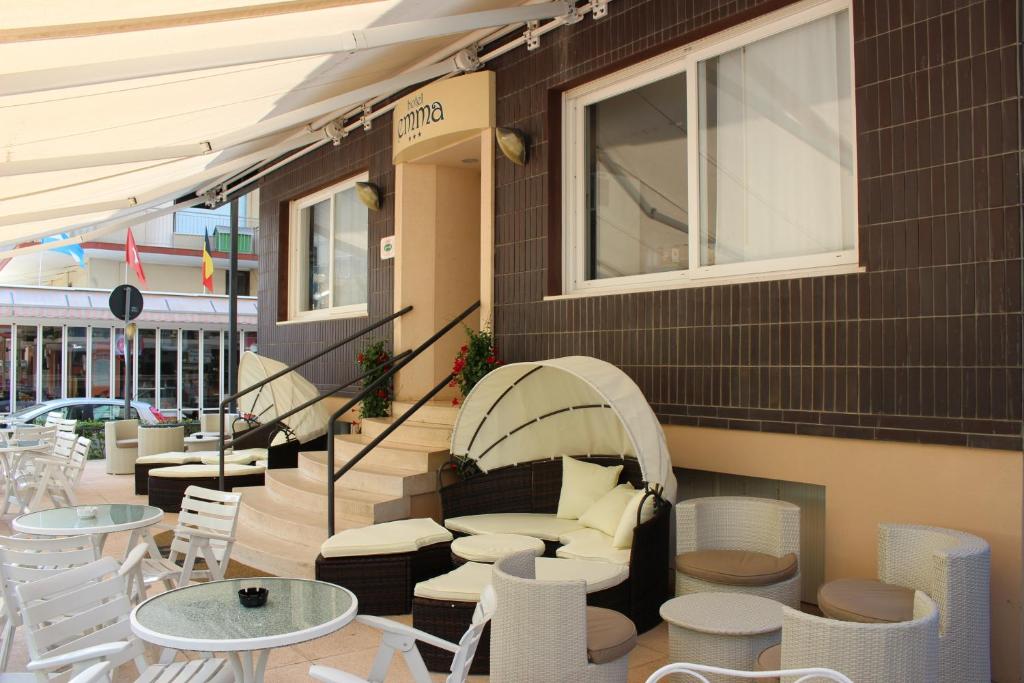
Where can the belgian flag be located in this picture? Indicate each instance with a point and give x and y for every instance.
(207, 263)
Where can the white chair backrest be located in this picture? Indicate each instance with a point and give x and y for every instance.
(47, 435)
(23, 560)
(210, 510)
(76, 464)
(78, 608)
(471, 638)
(64, 445)
(63, 424)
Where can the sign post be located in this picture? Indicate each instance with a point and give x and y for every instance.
(126, 304)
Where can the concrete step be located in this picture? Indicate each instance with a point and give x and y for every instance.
(260, 510)
(390, 453)
(412, 431)
(290, 486)
(369, 476)
(295, 558)
(436, 412)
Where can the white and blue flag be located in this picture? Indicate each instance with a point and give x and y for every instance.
(75, 251)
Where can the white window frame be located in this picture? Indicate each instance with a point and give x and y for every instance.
(295, 267)
(685, 60)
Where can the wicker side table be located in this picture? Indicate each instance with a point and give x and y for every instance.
(727, 630)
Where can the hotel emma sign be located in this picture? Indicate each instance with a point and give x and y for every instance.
(440, 114)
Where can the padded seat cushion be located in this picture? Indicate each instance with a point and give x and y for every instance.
(127, 443)
(255, 453)
(402, 536)
(610, 635)
(492, 547)
(866, 601)
(737, 567)
(542, 526)
(201, 471)
(229, 458)
(591, 544)
(464, 583)
(171, 458)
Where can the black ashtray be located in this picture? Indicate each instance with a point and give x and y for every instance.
(253, 597)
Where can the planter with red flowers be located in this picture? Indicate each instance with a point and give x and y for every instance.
(476, 358)
(373, 361)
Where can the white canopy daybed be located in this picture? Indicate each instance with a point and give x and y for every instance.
(280, 396)
(575, 405)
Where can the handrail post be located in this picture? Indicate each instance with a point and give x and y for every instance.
(220, 444)
(395, 367)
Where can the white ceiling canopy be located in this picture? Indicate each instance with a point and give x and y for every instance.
(109, 109)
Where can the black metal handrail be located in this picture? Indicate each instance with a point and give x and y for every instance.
(332, 477)
(222, 410)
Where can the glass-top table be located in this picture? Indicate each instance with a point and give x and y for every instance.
(208, 617)
(110, 518)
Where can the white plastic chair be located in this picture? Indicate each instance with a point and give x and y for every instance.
(30, 559)
(695, 672)
(81, 615)
(64, 425)
(97, 673)
(206, 528)
(58, 475)
(396, 637)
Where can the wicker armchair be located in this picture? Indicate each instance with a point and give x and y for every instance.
(121, 443)
(953, 568)
(906, 651)
(156, 440)
(739, 523)
(539, 632)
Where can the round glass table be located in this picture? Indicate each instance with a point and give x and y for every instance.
(109, 518)
(207, 617)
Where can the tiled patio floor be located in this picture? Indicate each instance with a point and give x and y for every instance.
(351, 649)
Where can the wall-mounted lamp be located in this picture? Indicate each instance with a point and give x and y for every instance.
(369, 194)
(513, 143)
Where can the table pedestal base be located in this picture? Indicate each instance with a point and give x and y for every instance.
(249, 665)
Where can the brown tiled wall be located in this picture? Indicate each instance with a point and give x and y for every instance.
(924, 346)
(325, 166)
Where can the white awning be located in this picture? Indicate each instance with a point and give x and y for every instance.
(280, 396)
(111, 108)
(576, 405)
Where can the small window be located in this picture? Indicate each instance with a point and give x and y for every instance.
(329, 237)
(730, 157)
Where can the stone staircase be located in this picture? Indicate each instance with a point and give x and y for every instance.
(282, 524)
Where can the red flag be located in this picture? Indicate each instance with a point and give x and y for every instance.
(131, 256)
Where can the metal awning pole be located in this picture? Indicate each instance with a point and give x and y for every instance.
(233, 306)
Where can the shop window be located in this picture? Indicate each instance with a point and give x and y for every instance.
(328, 244)
(100, 362)
(168, 371)
(729, 158)
(25, 366)
(6, 347)
(52, 357)
(77, 361)
(145, 387)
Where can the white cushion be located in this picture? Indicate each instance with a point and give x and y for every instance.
(256, 453)
(623, 535)
(591, 544)
(582, 484)
(402, 536)
(464, 584)
(606, 512)
(171, 458)
(229, 458)
(492, 547)
(190, 471)
(546, 527)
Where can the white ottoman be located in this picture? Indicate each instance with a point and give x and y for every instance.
(727, 630)
(491, 547)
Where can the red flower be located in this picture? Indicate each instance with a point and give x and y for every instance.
(453, 383)
(491, 360)
(382, 393)
(464, 349)
(459, 364)
(455, 401)
(359, 358)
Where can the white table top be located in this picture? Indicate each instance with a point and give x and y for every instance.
(208, 617)
(724, 613)
(19, 445)
(109, 518)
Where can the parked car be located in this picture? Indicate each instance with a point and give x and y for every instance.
(89, 409)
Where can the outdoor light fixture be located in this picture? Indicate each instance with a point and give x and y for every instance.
(513, 143)
(369, 194)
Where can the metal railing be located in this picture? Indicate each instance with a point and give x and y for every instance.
(397, 365)
(228, 400)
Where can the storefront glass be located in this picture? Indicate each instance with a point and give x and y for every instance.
(211, 370)
(76, 362)
(146, 377)
(189, 373)
(5, 368)
(101, 362)
(53, 356)
(168, 371)
(26, 366)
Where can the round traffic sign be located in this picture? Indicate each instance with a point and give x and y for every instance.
(126, 294)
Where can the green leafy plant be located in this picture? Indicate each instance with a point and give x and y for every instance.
(476, 358)
(373, 361)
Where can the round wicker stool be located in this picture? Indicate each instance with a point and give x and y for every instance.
(489, 548)
(727, 630)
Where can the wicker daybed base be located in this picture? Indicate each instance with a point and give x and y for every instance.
(166, 492)
(142, 476)
(449, 619)
(384, 583)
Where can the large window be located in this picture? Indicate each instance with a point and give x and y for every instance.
(189, 373)
(100, 362)
(145, 382)
(52, 357)
(168, 370)
(78, 357)
(5, 368)
(211, 370)
(729, 158)
(328, 268)
(26, 365)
